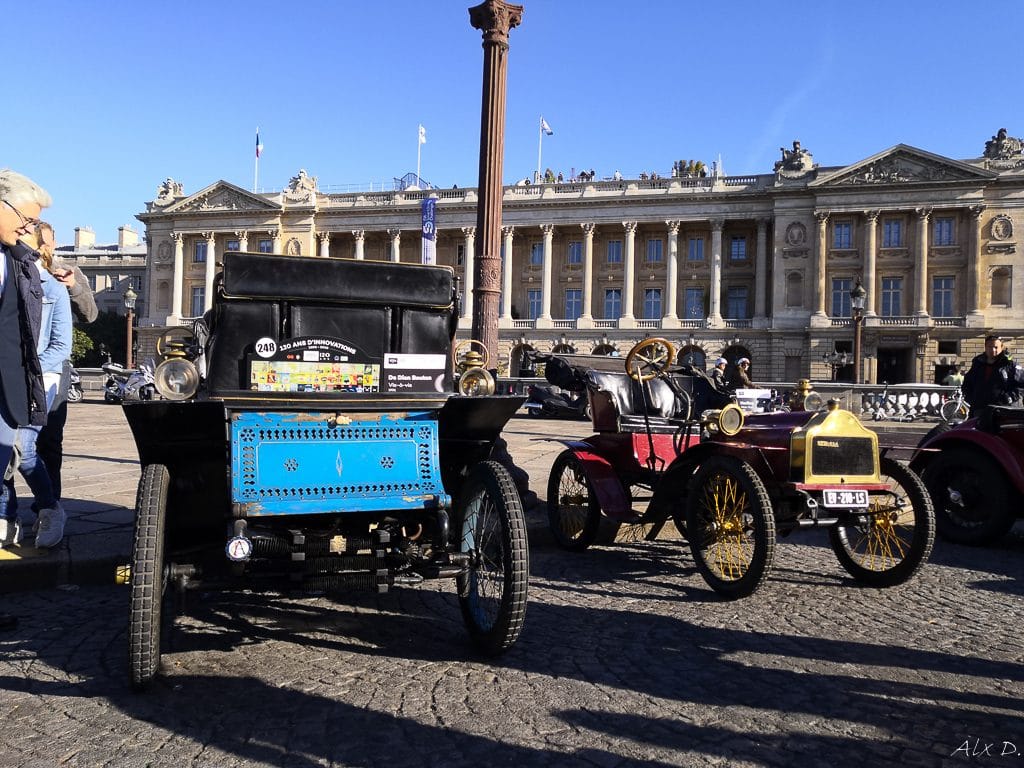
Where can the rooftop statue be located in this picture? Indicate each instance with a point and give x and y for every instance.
(1003, 147)
(795, 160)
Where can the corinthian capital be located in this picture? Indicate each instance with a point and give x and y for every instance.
(495, 18)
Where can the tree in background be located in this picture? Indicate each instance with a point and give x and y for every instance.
(107, 331)
(81, 345)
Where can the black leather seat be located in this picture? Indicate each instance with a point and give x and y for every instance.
(620, 403)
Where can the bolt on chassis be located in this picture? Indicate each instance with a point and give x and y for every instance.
(731, 481)
(317, 432)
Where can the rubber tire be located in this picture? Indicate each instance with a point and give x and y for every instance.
(761, 525)
(984, 488)
(853, 544)
(935, 431)
(492, 513)
(75, 394)
(952, 410)
(146, 614)
(586, 533)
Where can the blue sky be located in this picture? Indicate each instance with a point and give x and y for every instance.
(110, 98)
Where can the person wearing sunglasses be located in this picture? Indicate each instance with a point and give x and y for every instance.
(22, 392)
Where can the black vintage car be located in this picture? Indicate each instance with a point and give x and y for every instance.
(309, 436)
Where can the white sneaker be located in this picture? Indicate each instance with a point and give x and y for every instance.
(10, 532)
(51, 527)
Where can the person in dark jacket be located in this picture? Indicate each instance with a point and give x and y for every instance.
(741, 377)
(994, 379)
(22, 395)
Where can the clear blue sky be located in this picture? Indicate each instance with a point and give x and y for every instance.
(107, 99)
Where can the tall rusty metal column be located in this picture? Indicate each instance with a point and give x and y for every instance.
(494, 18)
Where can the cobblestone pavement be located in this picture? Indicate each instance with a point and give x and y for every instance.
(626, 658)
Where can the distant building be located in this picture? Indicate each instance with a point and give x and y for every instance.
(759, 266)
(110, 269)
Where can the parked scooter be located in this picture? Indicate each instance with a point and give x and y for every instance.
(75, 393)
(127, 384)
(566, 399)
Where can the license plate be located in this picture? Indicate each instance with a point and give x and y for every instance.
(834, 498)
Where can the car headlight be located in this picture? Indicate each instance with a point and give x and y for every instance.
(476, 382)
(727, 421)
(176, 379)
(813, 402)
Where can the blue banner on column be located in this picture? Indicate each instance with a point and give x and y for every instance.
(429, 231)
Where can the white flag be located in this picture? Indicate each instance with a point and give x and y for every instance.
(423, 135)
(545, 127)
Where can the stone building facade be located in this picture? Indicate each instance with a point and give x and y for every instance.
(758, 266)
(111, 268)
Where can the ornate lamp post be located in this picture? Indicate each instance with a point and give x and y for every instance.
(129, 304)
(858, 298)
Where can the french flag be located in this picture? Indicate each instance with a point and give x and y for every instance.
(259, 144)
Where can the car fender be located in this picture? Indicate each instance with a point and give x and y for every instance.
(603, 479)
(677, 477)
(1011, 462)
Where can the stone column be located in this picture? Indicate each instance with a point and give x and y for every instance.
(627, 319)
(178, 283)
(467, 265)
(494, 18)
(211, 269)
(975, 317)
(715, 313)
(276, 234)
(672, 276)
(761, 275)
(545, 284)
(870, 259)
(921, 263)
(819, 318)
(325, 244)
(360, 236)
(396, 244)
(243, 240)
(586, 315)
(506, 278)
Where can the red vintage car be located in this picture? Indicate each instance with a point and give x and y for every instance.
(974, 472)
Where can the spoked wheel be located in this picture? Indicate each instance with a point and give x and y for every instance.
(648, 358)
(973, 498)
(492, 591)
(74, 394)
(573, 512)
(145, 619)
(954, 411)
(730, 526)
(891, 543)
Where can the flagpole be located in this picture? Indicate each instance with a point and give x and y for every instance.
(419, 150)
(540, 143)
(256, 169)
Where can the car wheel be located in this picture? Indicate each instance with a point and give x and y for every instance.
(574, 514)
(889, 545)
(935, 431)
(492, 590)
(146, 614)
(730, 526)
(974, 503)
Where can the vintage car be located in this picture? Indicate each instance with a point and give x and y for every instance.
(309, 437)
(974, 471)
(731, 482)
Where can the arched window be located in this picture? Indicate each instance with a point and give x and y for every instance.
(1001, 286)
(693, 355)
(163, 295)
(794, 289)
(606, 349)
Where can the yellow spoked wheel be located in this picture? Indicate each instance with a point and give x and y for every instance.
(573, 512)
(648, 358)
(890, 543)
(730, 526)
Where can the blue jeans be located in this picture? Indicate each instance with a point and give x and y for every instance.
(8, 434)
(34, 472)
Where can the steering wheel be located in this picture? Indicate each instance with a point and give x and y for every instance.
(459, 357)
(648, 358)
(175, 342)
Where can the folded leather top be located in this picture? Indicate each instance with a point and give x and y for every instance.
(262, 275)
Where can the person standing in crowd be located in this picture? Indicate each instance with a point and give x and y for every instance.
(22, 393)
(994, 379)
(718, 375)
(954, 378)
(741, 378)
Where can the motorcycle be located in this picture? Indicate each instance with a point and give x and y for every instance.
(75, 392)
(127, 384)
(565, 399)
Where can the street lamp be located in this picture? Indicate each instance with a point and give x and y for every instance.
(858, 297)
(129, 304)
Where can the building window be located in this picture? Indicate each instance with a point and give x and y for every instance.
(654, 250)
(614, 251)
(573, 303)
(233, 245)
(842, 235)
(612, 303)
(794, 289)
(198, 301)
(695, 251)
(892, 296)
(91, 279)
(575, 254)
(652, 303)
(942, 297)
(693, 303)
(738, 249)
(892, 233)
(533, 298)
(135, 281)
(266, 246)
(1001, 286)
(943, 231)
(841, 287)
(736, 302)
(460, 254)
(199, 252)
(537, 254)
